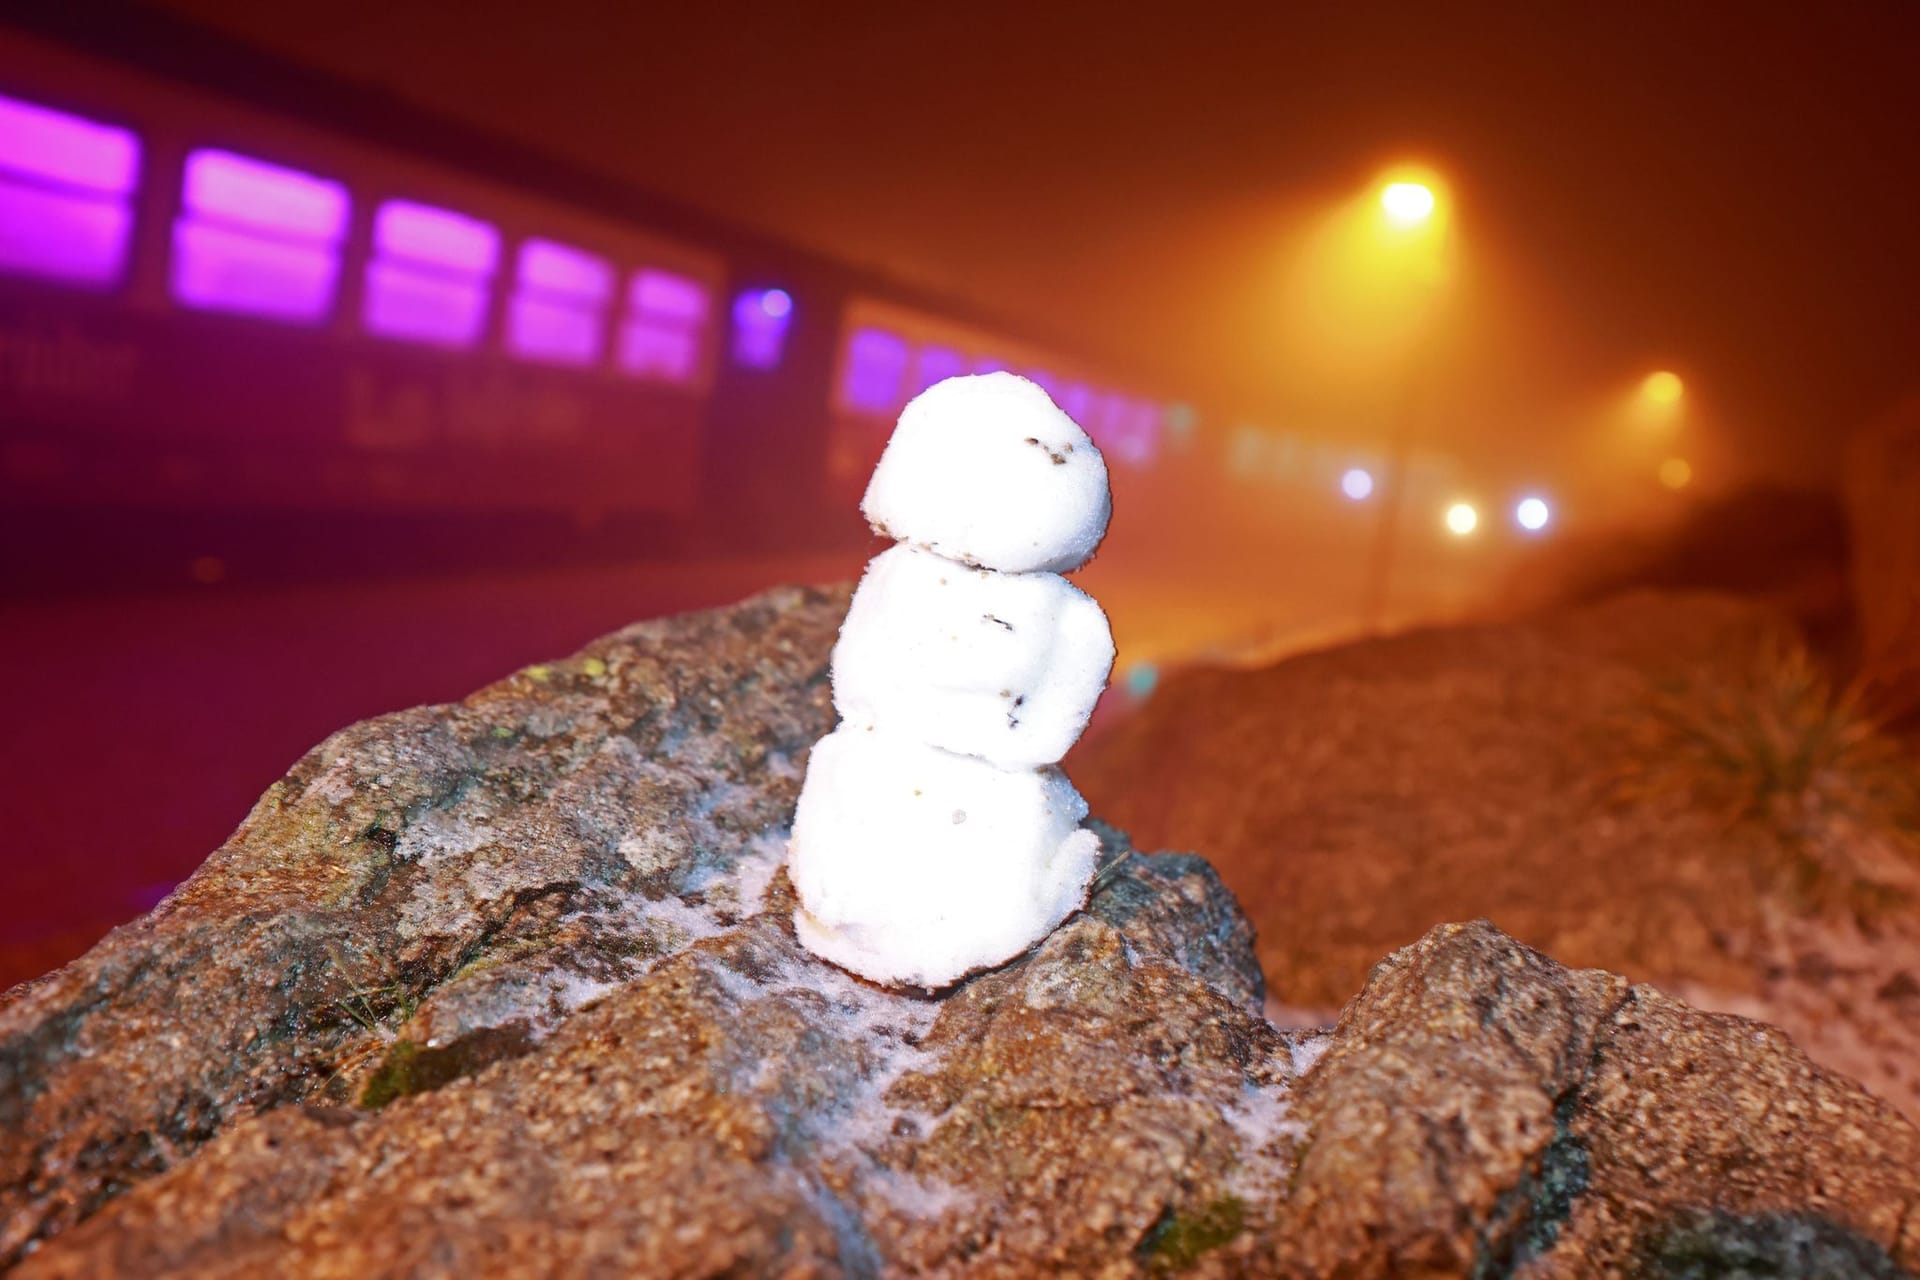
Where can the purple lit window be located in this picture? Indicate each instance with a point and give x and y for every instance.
(560, 300)
(760, 321)
(991, 364)
(666, 318)
(431, 274)
(65, 188)
(935, 364)
(1076, 401)
(257, 239)
(876, 362)
(1126, 429)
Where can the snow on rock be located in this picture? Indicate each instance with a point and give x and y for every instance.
(986, 470)
(917, 866)
(1003, 666)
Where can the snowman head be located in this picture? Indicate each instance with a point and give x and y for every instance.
(987, 470)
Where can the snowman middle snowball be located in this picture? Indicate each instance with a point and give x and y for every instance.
(934, 837)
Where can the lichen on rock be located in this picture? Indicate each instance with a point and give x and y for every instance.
(554, 1020)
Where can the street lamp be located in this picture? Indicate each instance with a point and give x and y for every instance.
(1407, 204)
(1409, 257)
(1663, 387)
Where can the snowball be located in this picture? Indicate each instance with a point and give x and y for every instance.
(916, 866)
(987, 471)
(1004, 666)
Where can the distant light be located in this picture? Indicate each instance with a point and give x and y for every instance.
(760, 320)
(1142, 678)
(1663, 387)
(1180, 420)
(1461, 519)
(1357, 484)
(1533, 514)
(1675, 473)
(1407, 203)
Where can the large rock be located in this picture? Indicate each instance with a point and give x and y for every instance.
(510, 988)
(1665, 786)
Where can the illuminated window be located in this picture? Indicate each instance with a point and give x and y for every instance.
(559, 308)
(990, 364)
(1076, 401)
(65, 188)
(257, 239)
(1126, 429)
(1045, 381)
(876, 363)
(666, 317)
(760, 321)
(935, 364)
(431, 273)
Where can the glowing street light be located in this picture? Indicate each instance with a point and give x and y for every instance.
(1533, 514)
(1461, 519)
(1407, 204)
(1663, 387)
(1357, 483)
(1675, 473)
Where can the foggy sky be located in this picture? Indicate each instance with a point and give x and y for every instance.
(1724, 189)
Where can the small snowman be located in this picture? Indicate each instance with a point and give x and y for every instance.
(935, 834)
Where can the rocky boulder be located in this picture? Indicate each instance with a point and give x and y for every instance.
(1666, 786)
(510, 988)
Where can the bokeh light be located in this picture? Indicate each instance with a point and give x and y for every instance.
(1407, 203)
(776, 303)
(1357, 483)
(1533, 514)
(1676, 473)
(1462, 519)
(1663, 387)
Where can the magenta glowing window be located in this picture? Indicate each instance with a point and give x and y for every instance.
(1045, 381)
(876, 363)
(934, 364)
(431, 275)
(665, 323)
(760, 321)
(991, 364)
(257, 239)
(1076, 401)
(1126, 429)
(560, 300)
(66, 187)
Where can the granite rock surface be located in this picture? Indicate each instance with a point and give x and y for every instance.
(510, 987)
(1667, 786)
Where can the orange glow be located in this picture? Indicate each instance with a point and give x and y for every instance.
(1462, 519)
(1367, 280)
(1663, 387)
(1407, 203)
(1675, 473)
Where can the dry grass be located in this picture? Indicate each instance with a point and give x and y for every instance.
(1771, 746)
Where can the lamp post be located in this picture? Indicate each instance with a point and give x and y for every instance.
(1410, 234)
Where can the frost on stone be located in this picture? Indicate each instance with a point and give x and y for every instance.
(934, 837)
